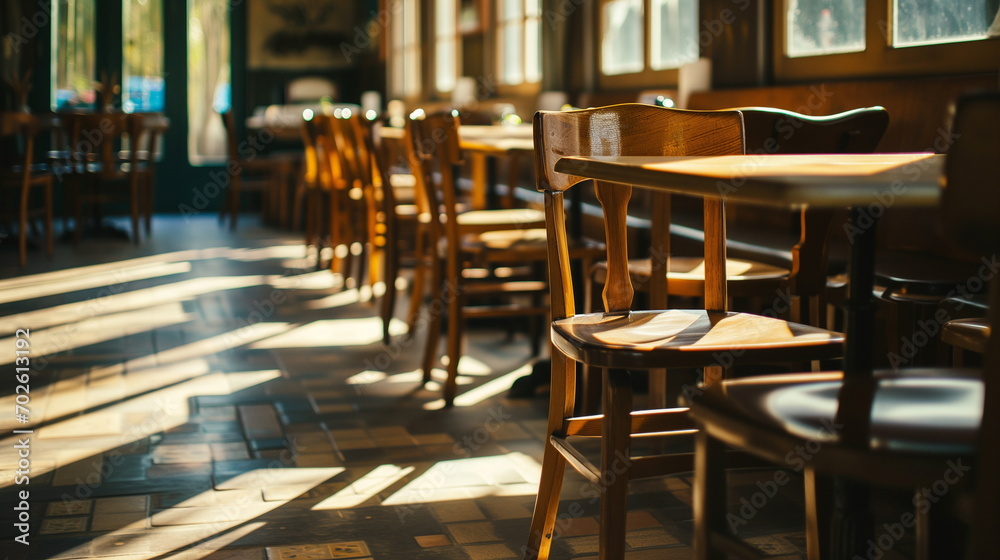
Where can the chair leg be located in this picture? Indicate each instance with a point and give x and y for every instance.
(422, 256)
(615, 461)
(48, 219)
(562, 393)
(436, 308)
(390, 269)
(22, 231)
(134, 205)
(451, 293)
(817, 500)
(709, 495)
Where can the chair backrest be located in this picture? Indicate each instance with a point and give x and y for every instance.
(229, 123)
(96, 138)
(969, 203)
(17, 128)
(630, 129)
(776, 131)
(433, 147)
(346, 125)
(316, 170)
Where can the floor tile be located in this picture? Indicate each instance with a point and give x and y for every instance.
(299, 552)
(122, 504)
(452, 512)
(490, 552)
(75, 507)
(474, 532)
(427, 541)
(117, 521)
(55, 525)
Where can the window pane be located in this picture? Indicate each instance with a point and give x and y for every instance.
(513, 59)
(405, 77)
(533, 51)
(512, 9)
(622, 44)
(825, 27)
(142, 52)
(445, 63)
(533, 8)
(674, 30)
(208, 79)
(73, 44)
(921, 23)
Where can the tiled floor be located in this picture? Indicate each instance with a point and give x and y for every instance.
(207, 395)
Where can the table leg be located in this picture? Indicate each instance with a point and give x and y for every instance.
(851, 521)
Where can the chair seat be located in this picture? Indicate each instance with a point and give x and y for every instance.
(930, 413)
(686, 276)
(532, 243)
(968, 334)
(475, 221)
(919, 274)
(689, 337)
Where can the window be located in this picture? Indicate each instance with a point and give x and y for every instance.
(922, 23)
(645, 50)
(874, 38)
(142, 54)
(405, 49)
(674, 25)
(445, 45)
(825, 27)
(519, 38)
(208, 79)
(74, 63)
(623, 37)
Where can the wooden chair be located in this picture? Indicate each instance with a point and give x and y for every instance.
(622, 339)
(318, 177)
(251, 170)
(966, 335)
(21, 178)
(353, 222)
(894, 428)
(151, 126)
(97, 174)
(480, 239)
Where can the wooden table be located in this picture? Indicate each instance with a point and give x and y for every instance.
(867, 184)
(483, 144)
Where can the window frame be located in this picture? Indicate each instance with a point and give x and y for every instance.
(456, 41)
(880, 58)
(398, 54)
(524, 87)
(645, 78)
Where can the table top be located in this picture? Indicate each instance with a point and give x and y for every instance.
(831, 180)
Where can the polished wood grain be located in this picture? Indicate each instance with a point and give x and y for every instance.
(835, 180)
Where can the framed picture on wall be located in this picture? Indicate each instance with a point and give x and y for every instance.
(301, 34)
